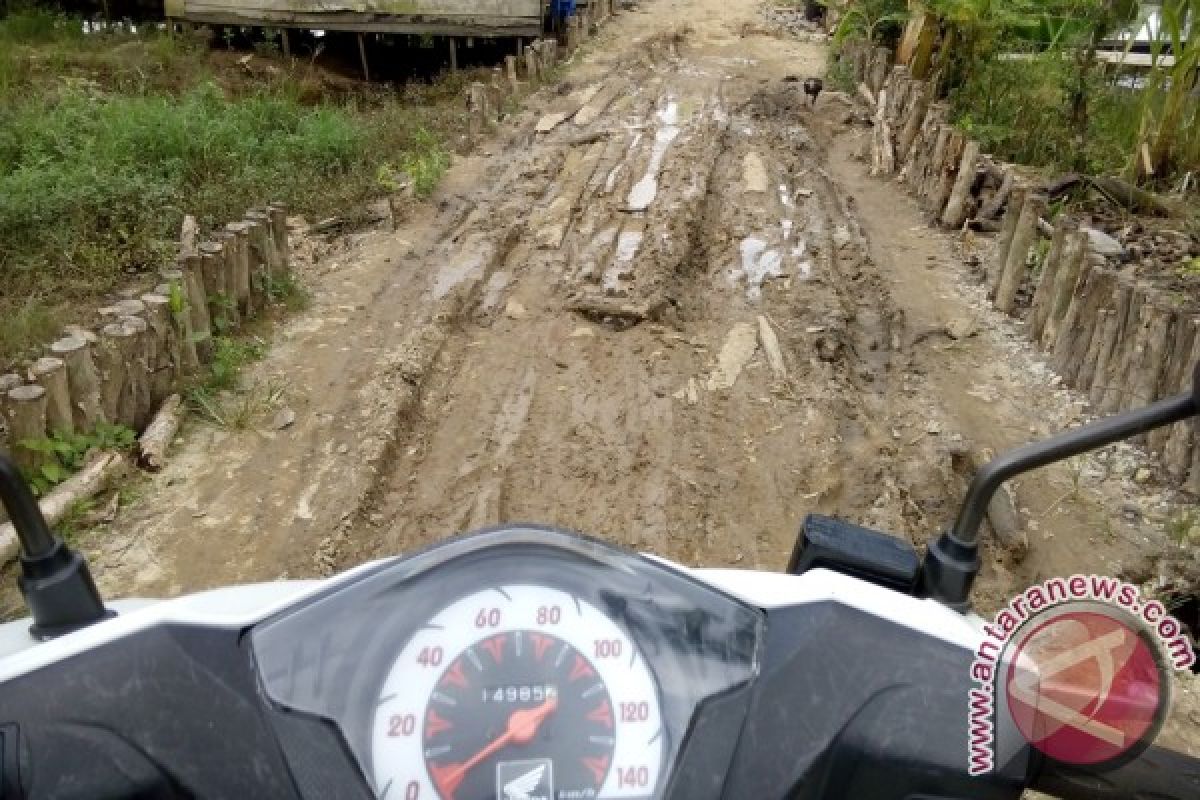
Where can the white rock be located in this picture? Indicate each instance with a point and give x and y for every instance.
(1102, 244)
(514, 310)
(735, 353)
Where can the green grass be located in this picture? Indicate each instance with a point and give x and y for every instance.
(106, 141)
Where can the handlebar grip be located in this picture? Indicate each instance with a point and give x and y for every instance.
(1158, 774)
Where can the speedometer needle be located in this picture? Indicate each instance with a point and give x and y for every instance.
(522, 727)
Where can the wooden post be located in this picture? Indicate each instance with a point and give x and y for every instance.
(881, 58)
(51, 374)
(1043, 296)
(913, 120)
(947, 173)
(212, 271)
(362, 57)
(1177, 377)
(1130, 297)
(8, 381)
(1017, 264)
(166, 364)
(287, 43)
(83, 383)
(266, 240)
(197, 305)
(25, 415)
(531, 64)
(1105, 320)
(1182, 439)
(277, 215)
(119, 360)
(258, 264)
(1150, 353)
(1104, 355)
(956, 206)
(933, 167)
(573, 37)
(510, 72)
(1075, 335)
(227, 265)
(453, 53)
(239, 248)
(1074, 255)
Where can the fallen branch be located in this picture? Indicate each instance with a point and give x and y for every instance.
(1131, 197)
(94, 478)
(867, 95)
(154, 441)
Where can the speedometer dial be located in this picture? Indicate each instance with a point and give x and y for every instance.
(518, 693)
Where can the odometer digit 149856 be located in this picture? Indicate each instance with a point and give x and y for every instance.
(518, 693)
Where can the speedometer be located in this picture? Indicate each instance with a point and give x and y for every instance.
(518, 692)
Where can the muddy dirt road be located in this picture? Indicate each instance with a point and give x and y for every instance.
(680, 319)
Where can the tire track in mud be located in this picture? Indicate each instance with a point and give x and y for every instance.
(572, 386)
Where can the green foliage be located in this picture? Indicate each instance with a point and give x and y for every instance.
(877, 21)
(230, 355)
(69, 451)
(106, 140)
(426, 163)
(289, 292)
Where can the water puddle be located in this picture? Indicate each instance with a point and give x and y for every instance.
(644, 191)
(452, 274)
(628, 244)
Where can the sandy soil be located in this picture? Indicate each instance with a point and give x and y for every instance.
(573, 331)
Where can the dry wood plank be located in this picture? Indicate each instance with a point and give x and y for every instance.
(1129, 308)
(1177, 377)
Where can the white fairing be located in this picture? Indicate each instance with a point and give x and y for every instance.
(243, 606)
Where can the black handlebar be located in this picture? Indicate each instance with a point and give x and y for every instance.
(1158, 774)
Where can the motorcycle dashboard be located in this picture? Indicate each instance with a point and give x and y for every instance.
(515, 664)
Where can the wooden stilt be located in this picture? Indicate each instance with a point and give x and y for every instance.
(453, 53)
(362, 57)
(287, 43)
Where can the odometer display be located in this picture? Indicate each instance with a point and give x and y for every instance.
(518, 693)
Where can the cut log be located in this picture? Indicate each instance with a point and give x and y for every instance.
(24, 412)
(277, 214)
(165, 368)
(157, 438)
(930, 176)
(212, 271)
(867, 95)
(122, 372)
(1177, 378)
(83, 382)
(260, 259)
(1130, 297)
(1016, 266)
(1095, 290)
(510, 72)
(1131, 197)
(227, 265)
(189, 235)
(918, 108)
(1182, 440)
(956, 206)
(1150, 353)
(240, 263)
(51, 374)
(532, 73)
(1087, 370)
(881, 60)
(1043, 297)
(947, 173)
(197, 306)
(1104, 353)
(1074, 256)
(1002, 512)
(101, 470)
(992, 208)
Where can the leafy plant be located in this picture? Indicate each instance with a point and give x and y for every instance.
(230, 355)
(69, 451)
